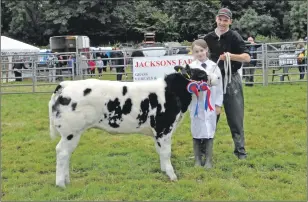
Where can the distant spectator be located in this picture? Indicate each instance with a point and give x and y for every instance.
(137, 53)
(118, 63)
(100, 66)
(99, 54)
(17, 68)
(70, 63)
(249, 72)
(91, 68)
(301, 44)
(302, 60)
(74, 64)
(52, 61)
(83, 64)
(59, 66)
(105, 56)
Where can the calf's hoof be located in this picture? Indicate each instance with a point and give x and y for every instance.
(61, 184)
(173, 178)
(67, 181)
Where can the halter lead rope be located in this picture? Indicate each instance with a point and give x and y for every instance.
(227, 68)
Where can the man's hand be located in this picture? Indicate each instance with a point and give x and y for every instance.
(222, 57)
(244, 57)
(217, 109)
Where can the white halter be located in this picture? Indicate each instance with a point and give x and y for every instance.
(227, 68)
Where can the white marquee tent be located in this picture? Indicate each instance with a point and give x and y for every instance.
(10, 47)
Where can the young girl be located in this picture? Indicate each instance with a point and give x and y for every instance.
(100, 66)
(91, 67)
(203, 125)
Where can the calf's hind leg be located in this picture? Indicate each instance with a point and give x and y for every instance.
(64, 150)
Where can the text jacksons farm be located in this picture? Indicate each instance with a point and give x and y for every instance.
(162, 63)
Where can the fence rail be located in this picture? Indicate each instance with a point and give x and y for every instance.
(271, 63)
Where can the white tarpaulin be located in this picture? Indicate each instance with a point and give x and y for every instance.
(10, 47)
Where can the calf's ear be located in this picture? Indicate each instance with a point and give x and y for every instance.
(178, 68)
(188, 69)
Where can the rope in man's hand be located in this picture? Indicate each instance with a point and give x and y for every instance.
(227, 68)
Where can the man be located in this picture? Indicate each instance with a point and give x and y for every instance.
(119, 63)
(18, 67)
(105, 61)
(52, 62)
(249, 72)
(303, 61)
(99, 54)
(59, 66)
(223, 40)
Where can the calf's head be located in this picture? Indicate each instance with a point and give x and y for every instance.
(197, 74)
(192, 74)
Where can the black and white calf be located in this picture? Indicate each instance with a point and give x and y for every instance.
(152, 108)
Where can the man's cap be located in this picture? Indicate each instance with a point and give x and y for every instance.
(225, 12)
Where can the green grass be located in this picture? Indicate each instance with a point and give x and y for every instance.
(293, 75)
(126, 167)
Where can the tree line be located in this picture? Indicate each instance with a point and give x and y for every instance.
(126, 20)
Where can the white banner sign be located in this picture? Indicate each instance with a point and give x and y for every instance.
(152, 68)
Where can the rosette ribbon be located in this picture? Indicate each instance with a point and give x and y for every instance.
(194, 87)
(204, 87)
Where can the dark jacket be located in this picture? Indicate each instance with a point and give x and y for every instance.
(19, 66)
(105, 61)
(118, 62)
(253, 53)
(231, 42)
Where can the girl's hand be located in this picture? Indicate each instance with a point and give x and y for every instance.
(218, 110)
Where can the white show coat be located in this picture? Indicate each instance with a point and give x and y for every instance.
(204, 124)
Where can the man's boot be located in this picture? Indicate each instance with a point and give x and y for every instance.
(208, 152)
(197, 151)
(239, 149)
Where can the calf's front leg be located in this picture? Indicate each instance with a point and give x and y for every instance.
(163, 147)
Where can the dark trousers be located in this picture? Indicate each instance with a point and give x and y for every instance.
(100, 71)
(18, 76)
(75, 69)
(90, 72)
(59, 72)
(105, 68)
(301, 72)
(120, 71)
(248, 74)
(234, 109)
(302, 69)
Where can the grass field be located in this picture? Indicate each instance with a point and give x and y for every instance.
(126, 167)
